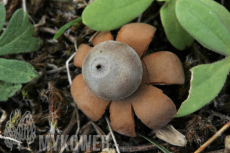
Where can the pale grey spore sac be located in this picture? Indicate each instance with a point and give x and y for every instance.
(100, 67)
(112, 70)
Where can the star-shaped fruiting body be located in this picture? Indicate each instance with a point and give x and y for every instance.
(116, 76)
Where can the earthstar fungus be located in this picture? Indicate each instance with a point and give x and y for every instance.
(115, 75)
(112, 70)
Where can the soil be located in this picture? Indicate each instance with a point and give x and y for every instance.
(49, 100)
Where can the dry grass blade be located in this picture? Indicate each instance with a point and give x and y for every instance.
(156, 144)
(67, 67)
(111, 131)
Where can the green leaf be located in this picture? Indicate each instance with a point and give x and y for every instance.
(15, 71)
(207, 81)
(156, 144)
(204, 24)
(175, 33)
(17, 38)
(163, 0)
(220, 10)
(2, 15)
(105, 15)
(66, 26)
(8, 90)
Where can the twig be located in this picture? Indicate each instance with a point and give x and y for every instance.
(3, 117)
(94, 35)
(227, 144)
(222, 2)
(78, 119)
(111, 131)
(86, 131)
(3, 150)
(97, 129)
(217, 151)
(9, 138)
(24, 5)
(217, 114)
(139, 18)
(53, 31)
(71, 124)
(139, 148)
(5, 2)
(67, 130)
(67, 68)
(41, 22)
(49, 30)
(57, 69)
(52, 66)
(218, 133)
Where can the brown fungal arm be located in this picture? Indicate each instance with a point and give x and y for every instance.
(121, 117)
(102, 36)
(153, 107)
(137, 36)
(91, 105)
(164, 68)
(79, 57)
(121, 112)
